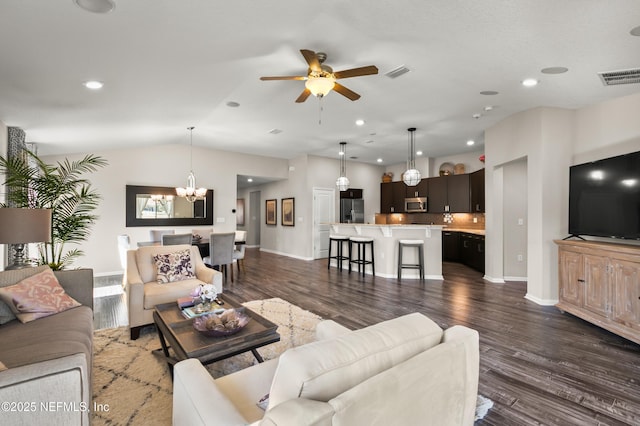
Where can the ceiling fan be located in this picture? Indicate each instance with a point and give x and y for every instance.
(321, 78)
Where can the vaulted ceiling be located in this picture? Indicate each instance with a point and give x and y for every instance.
(167, 65)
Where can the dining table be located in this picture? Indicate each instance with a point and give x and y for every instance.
(201, 243)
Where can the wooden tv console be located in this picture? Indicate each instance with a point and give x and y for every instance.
(600, 283)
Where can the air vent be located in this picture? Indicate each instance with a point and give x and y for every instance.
(614, 78)
(397, 72)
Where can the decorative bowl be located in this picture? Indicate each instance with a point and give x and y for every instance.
(226, 323)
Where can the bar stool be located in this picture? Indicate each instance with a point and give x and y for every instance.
(419, 244)
(339, 257)
(361, 244)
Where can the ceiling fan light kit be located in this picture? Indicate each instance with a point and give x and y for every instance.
(412, 176)
(343, 182)
(320, 78)
(191, 192)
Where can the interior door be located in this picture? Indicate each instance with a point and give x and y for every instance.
(324, 211)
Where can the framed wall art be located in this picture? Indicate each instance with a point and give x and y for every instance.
(288, 211)
(271, 210)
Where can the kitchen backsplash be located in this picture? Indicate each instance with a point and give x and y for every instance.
(459, 220)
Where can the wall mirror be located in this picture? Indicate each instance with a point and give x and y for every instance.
(160, 206)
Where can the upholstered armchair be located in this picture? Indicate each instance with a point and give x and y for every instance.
(144, 289)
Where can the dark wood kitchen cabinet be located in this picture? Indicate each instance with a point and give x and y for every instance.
(351, 193)
(476, 184)
(420, 190)
(472, 251)
(449, 194)
(392, 196)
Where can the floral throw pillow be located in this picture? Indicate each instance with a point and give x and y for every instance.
(174, 267)
(37, 296)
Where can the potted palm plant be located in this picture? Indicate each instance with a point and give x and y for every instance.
(62, 188)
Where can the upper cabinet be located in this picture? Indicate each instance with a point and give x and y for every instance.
(351, 193)
(392, 195)
(476, 183)
(462, 193)
(420, 190)
(449, 194)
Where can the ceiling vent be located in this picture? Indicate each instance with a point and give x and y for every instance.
(614, 78)
(397, 72)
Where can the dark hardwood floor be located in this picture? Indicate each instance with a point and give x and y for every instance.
(538, 365)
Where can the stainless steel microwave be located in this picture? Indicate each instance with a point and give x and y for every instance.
(415, 205)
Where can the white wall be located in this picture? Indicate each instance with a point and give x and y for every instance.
(551, 140)
(471, 161)
(165, 165)
(314, 172)
(515, 220)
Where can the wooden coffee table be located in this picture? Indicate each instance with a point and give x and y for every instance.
(177, 333)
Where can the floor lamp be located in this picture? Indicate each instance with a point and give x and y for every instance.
(22, 226)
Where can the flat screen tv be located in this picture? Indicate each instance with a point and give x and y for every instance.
(604, 197)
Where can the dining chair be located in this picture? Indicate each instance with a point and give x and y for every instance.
(238, 251)
(175, 239)
(221, 246)
(124, 244)
(156, 234)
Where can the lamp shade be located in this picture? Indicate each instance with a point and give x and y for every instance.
(20, 226)
(320, 86)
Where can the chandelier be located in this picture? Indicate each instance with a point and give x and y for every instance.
(343, 182)
(191, 192)
(412, 176)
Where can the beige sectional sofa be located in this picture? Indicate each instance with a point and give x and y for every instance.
(48, 360)
(404, 371)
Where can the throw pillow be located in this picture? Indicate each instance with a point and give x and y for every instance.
(6, 314)
(264, 402)
(174, 266)
(37, 296)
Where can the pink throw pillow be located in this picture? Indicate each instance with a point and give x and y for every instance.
(37, 296)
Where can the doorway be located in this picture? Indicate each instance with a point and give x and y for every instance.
(324, 213)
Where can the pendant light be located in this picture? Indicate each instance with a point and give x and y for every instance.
(343, 182)
(412, 176)
(191, 193)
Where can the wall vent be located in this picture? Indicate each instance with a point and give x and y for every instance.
(614, 78)
(397, 72)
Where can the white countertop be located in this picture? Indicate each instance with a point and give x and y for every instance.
(465, 230)
(391, 225)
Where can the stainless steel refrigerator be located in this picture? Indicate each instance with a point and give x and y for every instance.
(351, 211)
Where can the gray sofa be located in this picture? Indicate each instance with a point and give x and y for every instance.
(48, 360)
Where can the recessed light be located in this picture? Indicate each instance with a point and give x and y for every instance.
(489, 92)
(275, 131)
(233, 104)
(477, 115)
(470, 142)
(379, 160)
(359, 122)
(418, 152)
(96, 6)
(93, 84)
(488, 108)
(554, 70)
(249, 180)
(635, 31)
(529, 82)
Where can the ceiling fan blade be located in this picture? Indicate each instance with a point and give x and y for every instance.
(355, 72)
(312, 59)
(286, 77)
(303, 96)
(346, 92)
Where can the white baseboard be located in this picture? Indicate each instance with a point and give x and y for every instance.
(524, 279)
(285, 254)
(542, 302)
(494, 280)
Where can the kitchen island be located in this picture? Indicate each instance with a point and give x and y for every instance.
(386, 239)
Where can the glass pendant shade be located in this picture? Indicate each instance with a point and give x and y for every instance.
(320, 86)
(343, 182)
(191, 192)
(412, 176)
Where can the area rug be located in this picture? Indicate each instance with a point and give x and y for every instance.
(131, 386)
